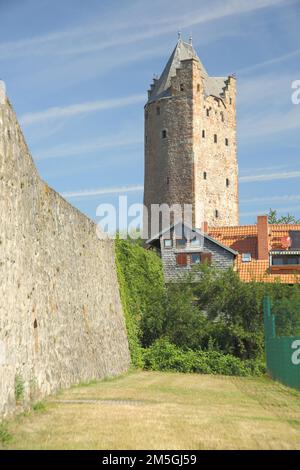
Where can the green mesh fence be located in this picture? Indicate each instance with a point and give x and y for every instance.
(282, 352)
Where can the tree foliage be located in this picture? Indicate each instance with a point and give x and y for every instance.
(213, 311)
(288, 219)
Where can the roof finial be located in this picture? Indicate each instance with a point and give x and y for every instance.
(191, 39)
(179, 35)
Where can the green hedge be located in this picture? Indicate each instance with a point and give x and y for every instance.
(165, 356)
(142, 286)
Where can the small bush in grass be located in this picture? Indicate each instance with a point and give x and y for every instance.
(5, 436)
(163, 355)
(39, 407)
(19, 388)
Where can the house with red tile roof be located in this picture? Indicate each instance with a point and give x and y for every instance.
(266, 252)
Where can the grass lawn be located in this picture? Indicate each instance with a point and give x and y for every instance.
(155, 410)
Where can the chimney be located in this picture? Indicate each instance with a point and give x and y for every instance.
(205, 227)
(263, 237)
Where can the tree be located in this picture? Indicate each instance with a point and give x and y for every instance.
(288, 219)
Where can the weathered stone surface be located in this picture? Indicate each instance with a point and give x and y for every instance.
(187, 166)
(61, 321)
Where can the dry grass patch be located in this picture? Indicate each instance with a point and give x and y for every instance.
(154, 410)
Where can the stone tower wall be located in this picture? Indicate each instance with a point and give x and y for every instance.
(219, 191)
(175, 165)
(61, 321)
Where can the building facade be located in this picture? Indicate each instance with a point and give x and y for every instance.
(266, 252)
(190, 141)
(181, 249)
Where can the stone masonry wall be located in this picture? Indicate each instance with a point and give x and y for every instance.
(187, 166)
(61, 321)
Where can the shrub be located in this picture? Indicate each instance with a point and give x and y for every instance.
(165, 356)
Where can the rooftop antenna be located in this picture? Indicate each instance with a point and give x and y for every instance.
(191, 40)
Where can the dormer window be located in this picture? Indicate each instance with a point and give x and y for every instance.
(195, 241)
(168, 243)
(180, 242)
(246, 257)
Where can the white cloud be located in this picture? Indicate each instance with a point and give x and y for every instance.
(273, 123)
(269, 177)
(271, 199)
(93, 36)
(77, 149)
(267, 63)
(83, 193)
(279, 210)
(76, 109)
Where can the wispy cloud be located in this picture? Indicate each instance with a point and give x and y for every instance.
(275, 60)
(89, 37)
(87, 193)
(81, 149)
(273, 123)
(279, 210)
(269, 177)
(271, 199)
(82, 108)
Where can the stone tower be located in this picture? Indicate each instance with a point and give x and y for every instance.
(190, 140)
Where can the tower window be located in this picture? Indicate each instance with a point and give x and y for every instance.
(227, 182)
(207, 112)
(168, 180)
(146, 114)
(230, 100)
(181, 87)
(226, 142)
(198, 87)
(222, 116)
(204, 175)
(215, 138)
(164, 134)
(158, 110)
(146, 138)
(203, 134)
(216, 213)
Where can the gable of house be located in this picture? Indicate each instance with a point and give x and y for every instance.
(180, 253)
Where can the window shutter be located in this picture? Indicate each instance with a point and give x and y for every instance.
(181, 259)
(206, 258)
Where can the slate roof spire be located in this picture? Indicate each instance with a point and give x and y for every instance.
(184, 51)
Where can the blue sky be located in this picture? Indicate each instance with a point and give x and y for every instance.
(78, 72)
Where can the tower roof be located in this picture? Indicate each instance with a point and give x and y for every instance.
(184, 51)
